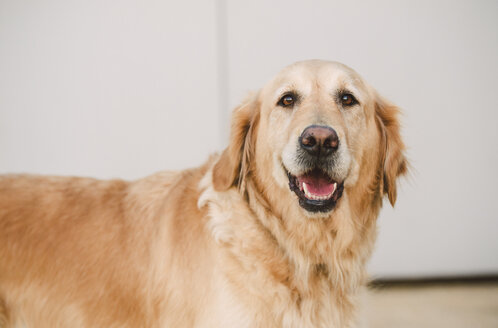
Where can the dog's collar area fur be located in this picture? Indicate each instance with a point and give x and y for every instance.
(299, 274)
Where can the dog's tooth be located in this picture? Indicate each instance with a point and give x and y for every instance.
(307, 193)
(305, 189)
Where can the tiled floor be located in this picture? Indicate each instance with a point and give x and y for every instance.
(463, 305)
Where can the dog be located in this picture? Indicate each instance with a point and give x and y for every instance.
(273, 232)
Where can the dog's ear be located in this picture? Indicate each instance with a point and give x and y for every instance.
(392, 149)
(233, 165)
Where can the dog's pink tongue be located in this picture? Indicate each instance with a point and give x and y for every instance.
(317, 184)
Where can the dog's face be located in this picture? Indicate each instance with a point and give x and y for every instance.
(310, 135)
(309, 114)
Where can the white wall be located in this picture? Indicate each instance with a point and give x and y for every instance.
(123, 89)
(107, 88)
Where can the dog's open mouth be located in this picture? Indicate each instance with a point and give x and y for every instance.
(317, 192)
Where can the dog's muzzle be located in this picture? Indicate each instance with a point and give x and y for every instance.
(316, 188)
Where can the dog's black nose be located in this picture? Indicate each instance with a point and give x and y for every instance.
(319, 140)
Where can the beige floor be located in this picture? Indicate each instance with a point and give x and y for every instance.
(472, 305)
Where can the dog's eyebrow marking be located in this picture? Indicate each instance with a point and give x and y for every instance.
(286, 89)
(341, 91)
(299, 88)
(290, 91)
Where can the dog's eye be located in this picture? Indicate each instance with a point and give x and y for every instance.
(287, 100)
(348, 99)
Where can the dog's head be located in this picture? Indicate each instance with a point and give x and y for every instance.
(314, 133)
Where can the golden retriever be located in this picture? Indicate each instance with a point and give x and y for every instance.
(274, 232)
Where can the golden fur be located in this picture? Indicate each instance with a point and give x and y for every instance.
(223, 245)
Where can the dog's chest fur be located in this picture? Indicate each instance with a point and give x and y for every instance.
(270, 281)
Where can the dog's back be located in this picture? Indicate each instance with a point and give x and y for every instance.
(68, 244)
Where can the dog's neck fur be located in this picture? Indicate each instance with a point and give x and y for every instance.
(308, 272)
